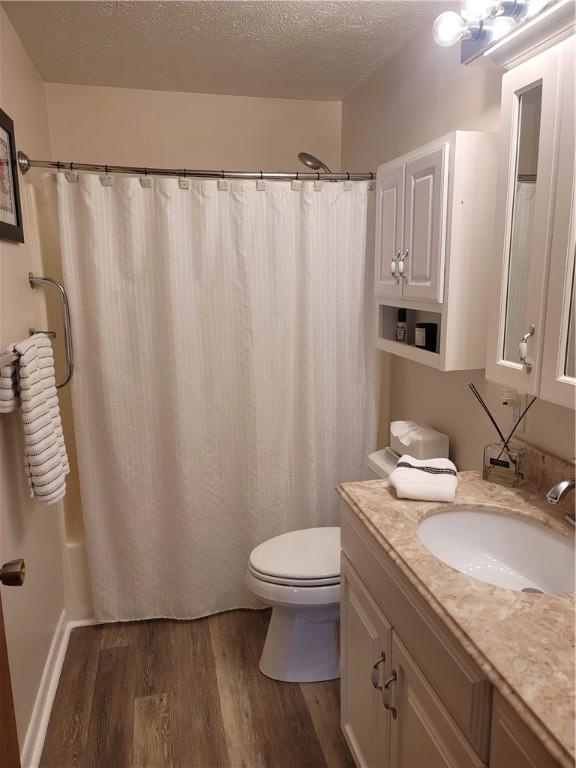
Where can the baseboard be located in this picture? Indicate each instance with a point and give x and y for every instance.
(36, 733)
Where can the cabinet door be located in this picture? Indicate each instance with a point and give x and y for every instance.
(389, 230)
(422, 260)
(423, 734)
(365, 660)
(524, 220)
(558, 379)
(513, 745)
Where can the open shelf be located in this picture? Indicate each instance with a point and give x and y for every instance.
(387, 320)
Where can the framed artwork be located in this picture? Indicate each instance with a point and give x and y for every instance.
(10, 211)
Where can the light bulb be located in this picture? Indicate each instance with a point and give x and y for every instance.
(449, 28)
(500, 27)
(479, 10)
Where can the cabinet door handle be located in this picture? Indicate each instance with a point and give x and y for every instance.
(401, 263)
(393, 267)
(386, 694)
(375, 674)
(523, 349)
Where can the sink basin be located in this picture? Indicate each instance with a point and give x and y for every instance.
(501, 548)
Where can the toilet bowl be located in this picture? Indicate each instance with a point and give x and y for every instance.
(298, 575)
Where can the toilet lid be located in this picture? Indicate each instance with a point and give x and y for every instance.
(312, 553)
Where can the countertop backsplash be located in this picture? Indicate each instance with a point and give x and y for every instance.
(543, 470)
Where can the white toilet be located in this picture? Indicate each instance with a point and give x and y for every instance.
(298, 574)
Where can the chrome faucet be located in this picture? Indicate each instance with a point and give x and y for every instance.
(557, 493)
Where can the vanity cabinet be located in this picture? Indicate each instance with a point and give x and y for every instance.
(366, 637)
(423, 734)
(532, 337)
(434, 221)
(513, 745)
(410, 694)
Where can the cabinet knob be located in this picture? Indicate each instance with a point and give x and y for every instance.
(523, 349)
(375, 674)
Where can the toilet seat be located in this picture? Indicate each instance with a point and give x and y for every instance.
(293, 582)
(302, 598)
(304, 558)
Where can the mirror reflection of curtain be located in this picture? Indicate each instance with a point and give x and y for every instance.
(519, 269)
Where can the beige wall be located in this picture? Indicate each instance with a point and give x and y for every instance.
(193, 130)
(27, 529)
(421, 93)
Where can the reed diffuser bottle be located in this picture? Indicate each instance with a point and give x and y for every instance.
(503, 460)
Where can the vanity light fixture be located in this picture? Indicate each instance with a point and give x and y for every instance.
(481, 23)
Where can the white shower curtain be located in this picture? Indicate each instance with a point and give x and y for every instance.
(224, 377)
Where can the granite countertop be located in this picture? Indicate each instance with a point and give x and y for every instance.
(523, 642)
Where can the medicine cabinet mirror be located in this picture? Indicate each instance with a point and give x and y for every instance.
(520, 258)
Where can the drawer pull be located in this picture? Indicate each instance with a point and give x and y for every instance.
(386, 694)
(375, 674)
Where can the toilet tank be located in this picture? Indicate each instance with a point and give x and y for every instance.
(381, 463)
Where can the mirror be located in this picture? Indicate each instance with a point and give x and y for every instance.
(519, 263)
(570, 365)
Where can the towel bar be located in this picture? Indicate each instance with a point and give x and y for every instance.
(68, 349)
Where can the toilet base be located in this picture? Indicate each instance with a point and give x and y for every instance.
(302, 644)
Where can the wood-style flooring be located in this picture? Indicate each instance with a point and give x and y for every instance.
(187, 694)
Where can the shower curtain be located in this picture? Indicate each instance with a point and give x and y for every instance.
(224, 378)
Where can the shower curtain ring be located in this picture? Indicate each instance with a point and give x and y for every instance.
(106, 170)
(72, 166)
(260, 174)
(348, 174)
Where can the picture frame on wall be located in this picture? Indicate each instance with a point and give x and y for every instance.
(10, 212)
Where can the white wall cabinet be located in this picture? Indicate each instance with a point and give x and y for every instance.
(531, 344)
(422, 261)
(434, 220)
(389, 230)
(411, 697)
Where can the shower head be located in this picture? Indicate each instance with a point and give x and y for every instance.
(312, 162)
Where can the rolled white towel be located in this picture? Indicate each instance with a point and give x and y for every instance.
(8, 387)
(45, 458)
(425, 479)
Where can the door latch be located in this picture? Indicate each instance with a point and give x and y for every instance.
(13, 573)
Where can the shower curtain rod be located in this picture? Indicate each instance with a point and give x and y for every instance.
(25, 164)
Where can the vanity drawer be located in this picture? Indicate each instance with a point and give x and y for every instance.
(457, 679)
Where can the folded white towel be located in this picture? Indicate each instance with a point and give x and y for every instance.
(8, 387)
(424, 479)
(45, 458)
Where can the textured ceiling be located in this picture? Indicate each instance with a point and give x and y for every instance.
(308, 49)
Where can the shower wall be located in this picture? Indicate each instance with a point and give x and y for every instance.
(190, 130)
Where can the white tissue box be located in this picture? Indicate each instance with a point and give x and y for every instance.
(418, 441)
